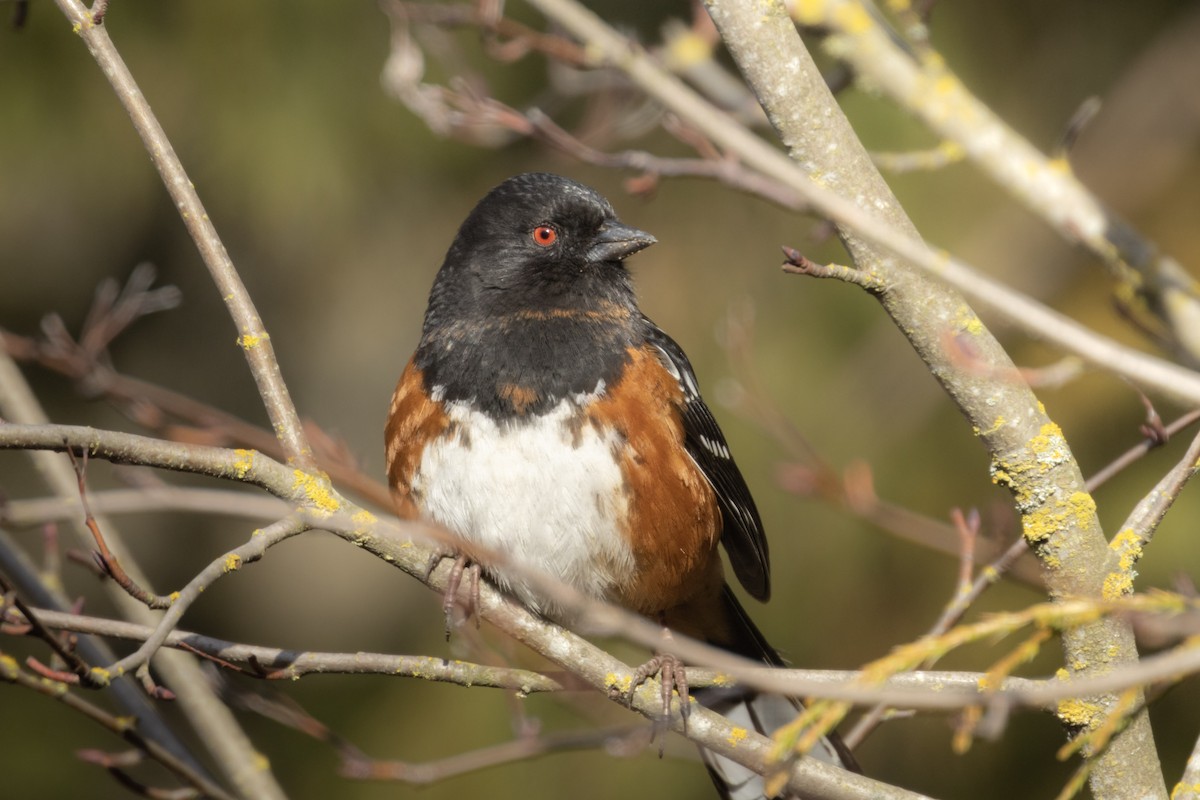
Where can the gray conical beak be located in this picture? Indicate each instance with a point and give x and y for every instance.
(616, 241)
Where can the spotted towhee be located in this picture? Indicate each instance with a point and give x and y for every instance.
(543, 416)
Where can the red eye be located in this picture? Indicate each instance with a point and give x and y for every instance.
(544, 235)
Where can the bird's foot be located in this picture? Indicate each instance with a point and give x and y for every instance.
(462, 567)
(672, 680)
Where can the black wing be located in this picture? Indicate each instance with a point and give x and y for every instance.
(743, 534)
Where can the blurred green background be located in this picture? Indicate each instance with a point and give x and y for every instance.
(337, 204)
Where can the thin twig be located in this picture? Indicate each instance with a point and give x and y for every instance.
(121, 727)
(626, 739)
(80, 669)
(1138, 450)
(798, 264)
(180, 601)
(189, 499)
(1128, 545)
(966, 593)
(811, 475)
(104, 557)
(924, 85)
(252, 335)
(270, 663)
(163, 410)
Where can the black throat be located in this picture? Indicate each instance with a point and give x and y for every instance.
(526, 361)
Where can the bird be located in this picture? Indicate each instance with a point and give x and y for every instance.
(545, 418)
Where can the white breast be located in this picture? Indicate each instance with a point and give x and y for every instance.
(546, 493)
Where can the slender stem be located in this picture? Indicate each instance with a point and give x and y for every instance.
(252, 335)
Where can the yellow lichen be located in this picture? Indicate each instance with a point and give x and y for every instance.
(363, 518)
(317, 490)
(9, 668)
(809, 12)
(687, 50)
(1116, 585)
(1076, 511)
(244, 462)
(249, 341)
(997, 424)
(1127, 545)
(736, 736)
(1082, 508)
(232, 562)
(1040, 525)
(1059, 166)
(621, 683)
(945, 84)
(1049, 447)
(966, 321)
(952, 150)
(852, 18)
(1183, 790)
(1079, 713)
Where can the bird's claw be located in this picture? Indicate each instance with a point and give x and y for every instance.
(450, 599)
(672, 680)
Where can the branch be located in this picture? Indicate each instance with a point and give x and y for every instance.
(224, 502)
(1128, 545)
(271, 663)
(1030, 455)
(11, 673)
(932, 690)
(173, 415)
(214, 724)
(604, 673)
(922, 84)
(252, 335)
(245, 466)
(232, 561)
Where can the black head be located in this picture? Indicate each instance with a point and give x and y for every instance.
(533, 293)
(537, 240)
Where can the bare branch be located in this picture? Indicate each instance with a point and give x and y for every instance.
(921, 689)
(1138, 450)
(923, 84)
(209, 717)
(272, 663)
(10, 673)
(252, 335)
(613, 740)
(225, 502)
(1129, 543)
(180, 601)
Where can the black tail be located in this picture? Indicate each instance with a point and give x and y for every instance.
(764, 713)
